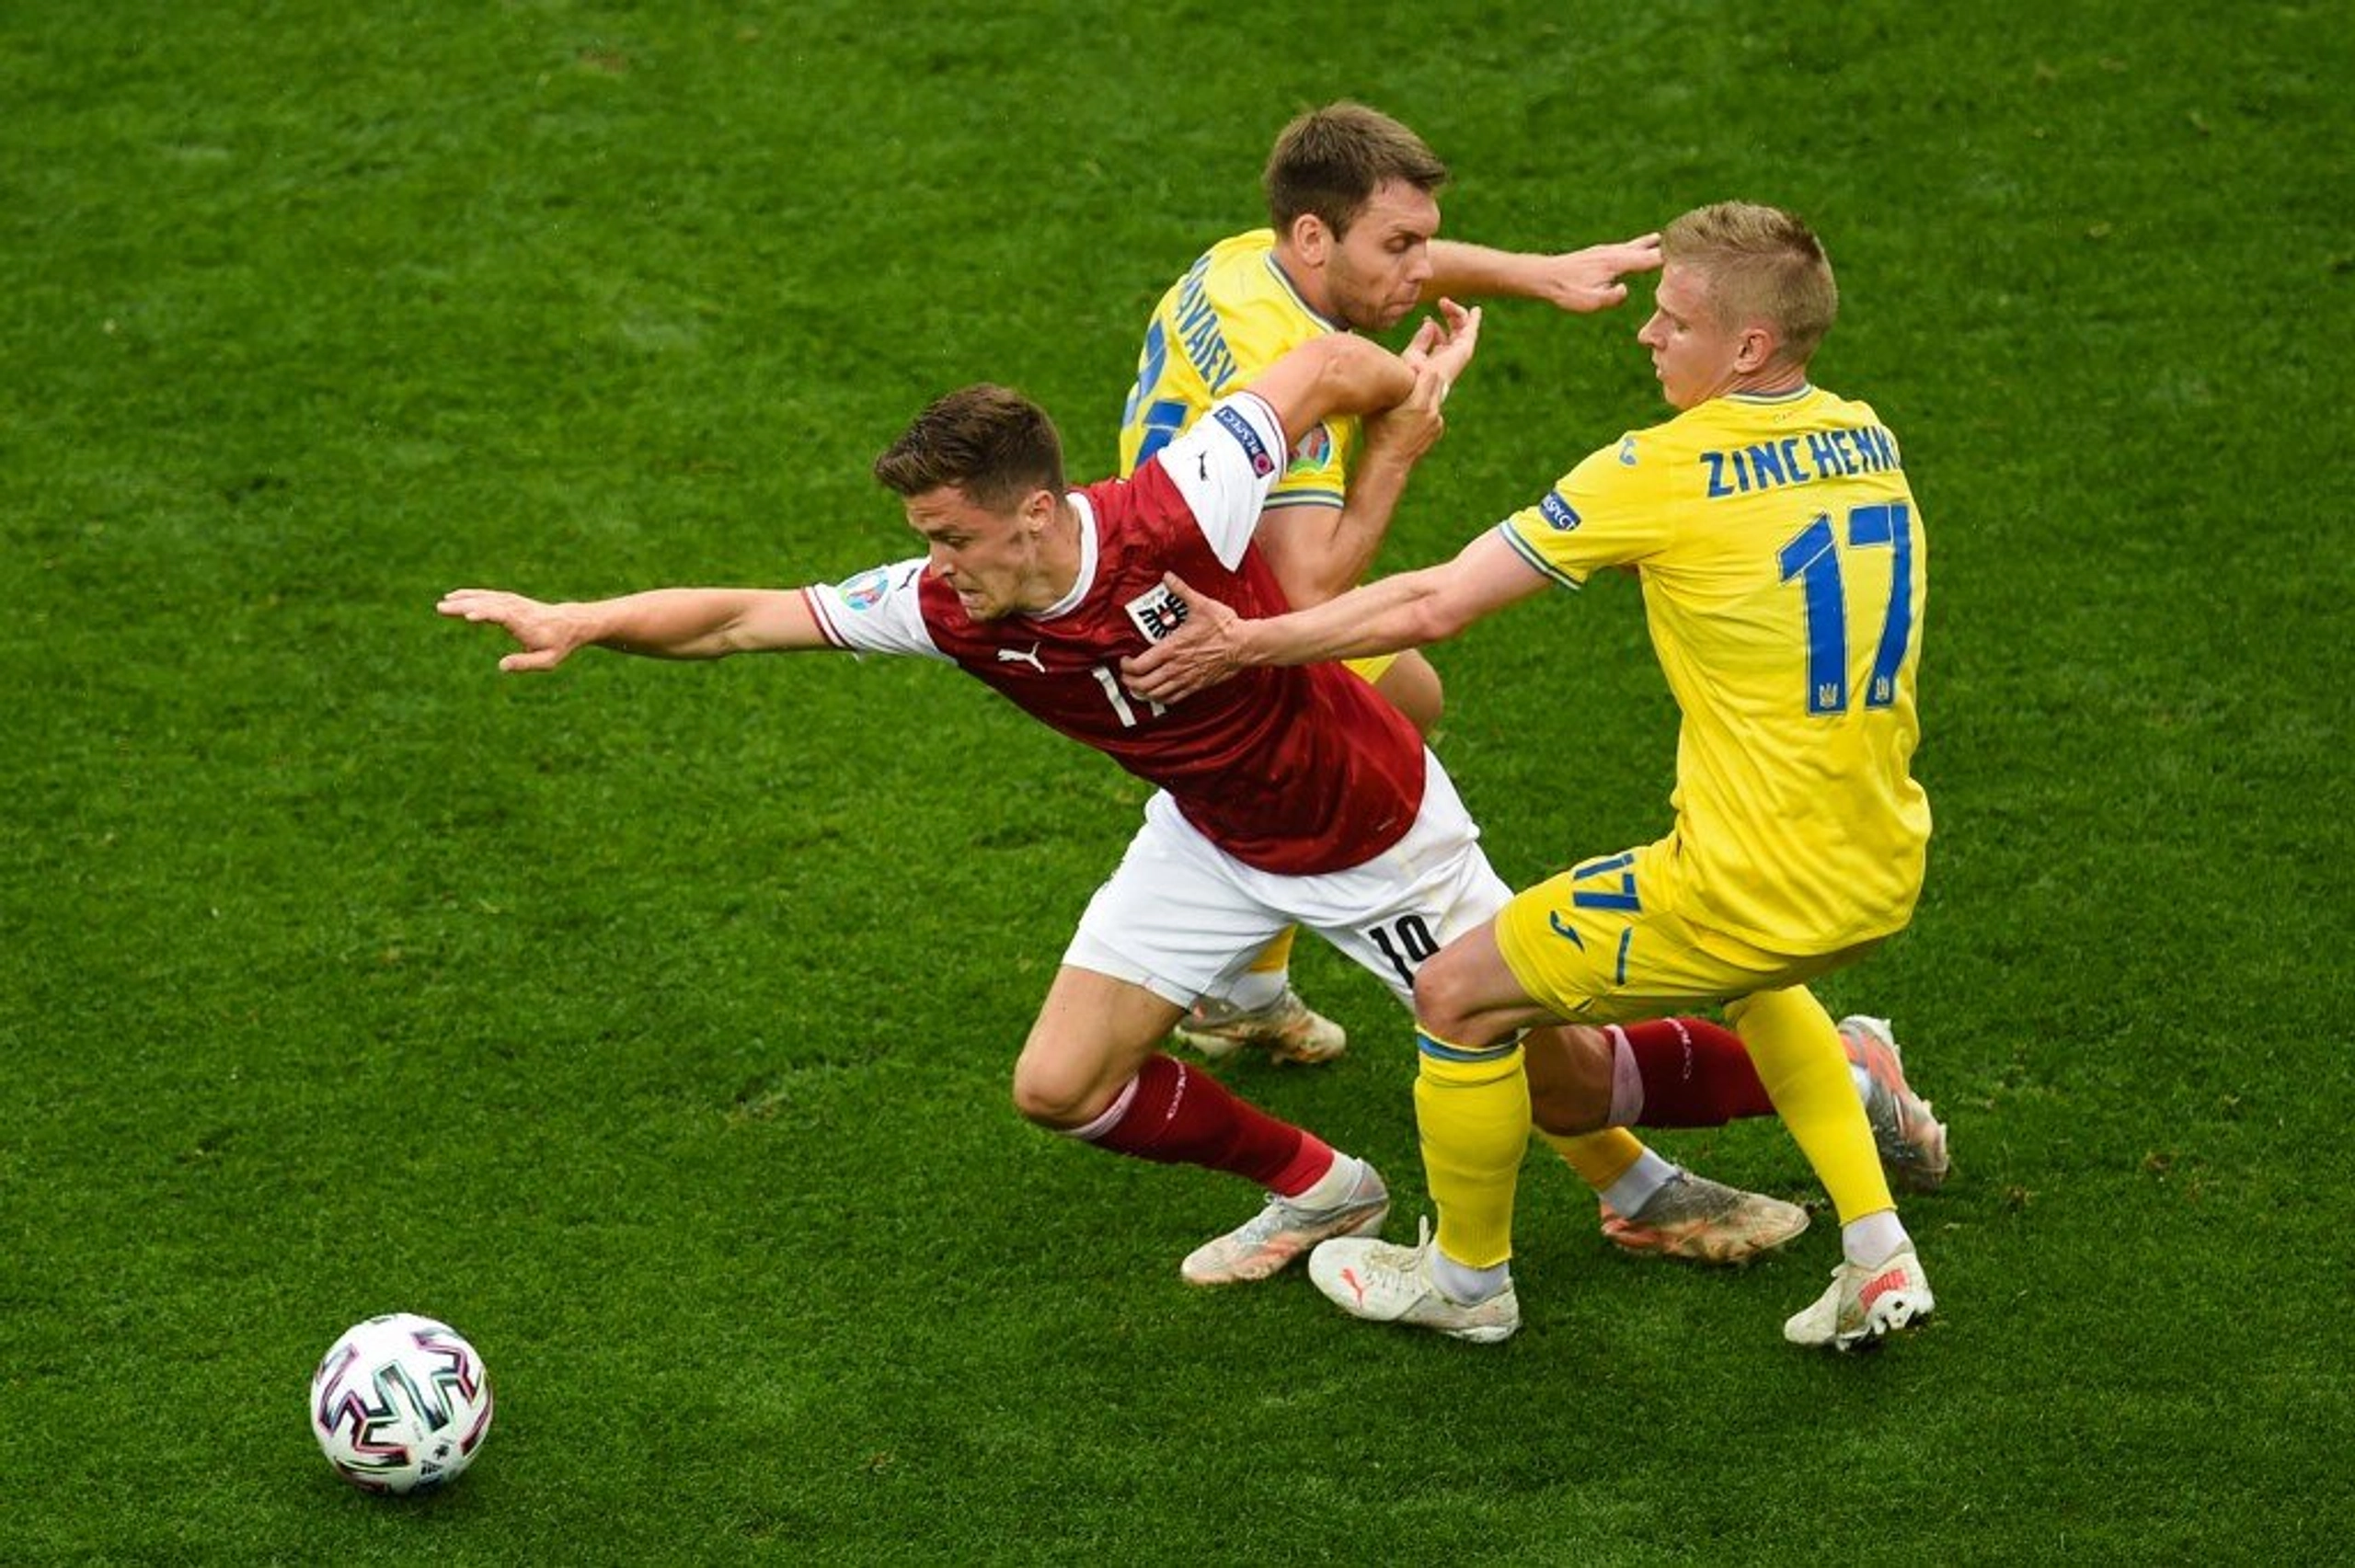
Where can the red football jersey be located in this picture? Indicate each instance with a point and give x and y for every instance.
(1293, 771)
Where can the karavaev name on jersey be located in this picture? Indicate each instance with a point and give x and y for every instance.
(1233, 314)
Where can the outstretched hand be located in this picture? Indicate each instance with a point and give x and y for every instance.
(1203, 651)
(547, 633)
(1592, 279)
(1441, 347)
(1443, 344)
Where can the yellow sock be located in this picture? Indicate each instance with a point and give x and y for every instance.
(1796, 1050)
(1276, 956)
(1599, 1157)
(1473, 1111)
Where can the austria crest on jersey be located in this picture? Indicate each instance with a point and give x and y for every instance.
(1156, 612)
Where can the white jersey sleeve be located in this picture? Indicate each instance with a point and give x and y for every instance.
(876, 611)
(1225, 466)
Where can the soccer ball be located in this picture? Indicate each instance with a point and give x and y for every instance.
(400, 1403)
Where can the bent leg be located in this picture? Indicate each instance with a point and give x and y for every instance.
(1092, 1034)
(1570, 1079)
(1660, 1073)
(1569, 1090)
(1468, 995)
(1472, 1096)
(1090, 1069)
(1412, 686)
(1805, 1069)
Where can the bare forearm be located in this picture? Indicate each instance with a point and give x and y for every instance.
(1319, 551)
(1582, 280)
(1387, 617)
(667, 622)
(1373, 495)
(671, 623)
(1353, 376)
(1459, 269)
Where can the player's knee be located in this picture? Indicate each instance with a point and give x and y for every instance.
(1569, 1079)
(1444, 1002)
(1053, 1097)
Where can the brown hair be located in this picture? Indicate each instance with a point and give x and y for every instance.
(1330, 161)
(1762, 264)
(992, 443)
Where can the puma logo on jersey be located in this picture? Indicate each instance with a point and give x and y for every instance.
(1017, 656)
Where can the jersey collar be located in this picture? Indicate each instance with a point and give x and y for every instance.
(1283, 279)
(1763, 399)
(1088, 552)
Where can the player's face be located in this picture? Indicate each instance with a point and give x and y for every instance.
(995, 560)
(1696, 357)
(1374, 274)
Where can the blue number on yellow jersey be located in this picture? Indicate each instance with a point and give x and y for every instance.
(1232, 315)
(1783, 566)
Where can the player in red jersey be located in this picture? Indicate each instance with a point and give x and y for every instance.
(1285, 795)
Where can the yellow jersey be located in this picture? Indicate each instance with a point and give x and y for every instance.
(1782, 560)
(1232, 315)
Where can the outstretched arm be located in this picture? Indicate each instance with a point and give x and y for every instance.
(1403, 612)
(1319, 551)
(1584, 280)
(666, 623)
(1342, 373)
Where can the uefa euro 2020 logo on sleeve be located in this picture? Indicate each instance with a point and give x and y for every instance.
(1313, 450)
(866, 590)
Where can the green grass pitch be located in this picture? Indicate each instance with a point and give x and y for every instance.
(651, 1022)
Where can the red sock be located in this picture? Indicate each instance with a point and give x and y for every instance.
(1696, 1074)
(1181, 1115)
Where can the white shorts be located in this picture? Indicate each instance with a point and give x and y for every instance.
(1182, 918)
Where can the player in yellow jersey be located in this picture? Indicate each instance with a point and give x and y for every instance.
(1353, 205)
(1353, 213)
(1782, 559)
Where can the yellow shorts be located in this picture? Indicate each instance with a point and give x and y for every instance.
(1586, 945)
(1370, 670)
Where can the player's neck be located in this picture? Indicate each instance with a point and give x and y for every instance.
(1057, 572)
(1778, 381)
(1306, 281)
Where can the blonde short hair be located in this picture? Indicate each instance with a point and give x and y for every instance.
(1762, 265)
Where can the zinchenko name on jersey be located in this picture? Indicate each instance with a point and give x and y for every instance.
(1798, 460)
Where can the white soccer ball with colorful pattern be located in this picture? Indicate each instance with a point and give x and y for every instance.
(401, 1404)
